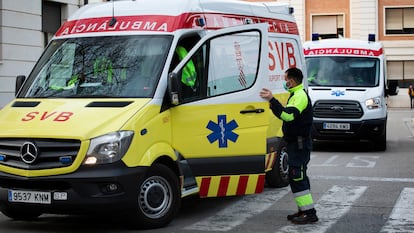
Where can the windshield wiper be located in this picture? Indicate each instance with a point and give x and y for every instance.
(91, 96)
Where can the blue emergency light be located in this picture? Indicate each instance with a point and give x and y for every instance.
(371, 37)
(315, 36)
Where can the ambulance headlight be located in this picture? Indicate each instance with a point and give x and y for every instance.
(373, 103)
(108, 148)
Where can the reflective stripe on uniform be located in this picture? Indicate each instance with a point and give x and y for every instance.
(301, 175)
(304, 200)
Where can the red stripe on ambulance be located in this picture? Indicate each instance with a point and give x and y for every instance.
(231, 185)
(260, 184)
(343, 51)
(241, 189)
(205, 184)
(168, 23)
(224, 185)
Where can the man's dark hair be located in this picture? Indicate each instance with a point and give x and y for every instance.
(295, 74)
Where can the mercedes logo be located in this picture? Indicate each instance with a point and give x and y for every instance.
(29, 152)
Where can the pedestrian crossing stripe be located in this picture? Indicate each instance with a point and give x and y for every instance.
(402, 215)
(233, 185)
(335, 203)
(239, 212)
(270, 161)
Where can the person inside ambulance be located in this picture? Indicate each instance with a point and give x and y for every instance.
(189, 74)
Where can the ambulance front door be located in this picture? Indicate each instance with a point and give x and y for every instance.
(220, 122)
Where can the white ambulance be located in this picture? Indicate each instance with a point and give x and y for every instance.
(136, 104)
(348, 87)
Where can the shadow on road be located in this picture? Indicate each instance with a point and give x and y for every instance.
(343, 146)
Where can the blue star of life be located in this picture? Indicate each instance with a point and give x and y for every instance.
(222, 131)
(338, 93)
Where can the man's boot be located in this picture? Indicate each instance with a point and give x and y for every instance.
(297, 214)
(306, 217)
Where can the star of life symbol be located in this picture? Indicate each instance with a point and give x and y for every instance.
(338, 93)
(222, 131)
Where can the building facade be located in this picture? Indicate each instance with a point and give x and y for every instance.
(25, 28)
(27, 25)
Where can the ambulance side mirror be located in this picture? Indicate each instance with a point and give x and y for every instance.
(19, 83)
(174, 88)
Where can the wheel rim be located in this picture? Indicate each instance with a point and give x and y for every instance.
(284, 167)
(155, 197)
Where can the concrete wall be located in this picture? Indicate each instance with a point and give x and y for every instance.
(21, 42)
(22, 39)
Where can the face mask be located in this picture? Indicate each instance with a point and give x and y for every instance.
(285, 86)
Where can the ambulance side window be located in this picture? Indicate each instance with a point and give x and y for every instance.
(224, 64)
(233, 63)
(191, 75)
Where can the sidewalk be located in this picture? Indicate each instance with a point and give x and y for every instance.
(399, 101)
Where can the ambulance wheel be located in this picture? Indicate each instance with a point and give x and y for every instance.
(278, 176)
(158, 199)
(380, 143)
(19, 214)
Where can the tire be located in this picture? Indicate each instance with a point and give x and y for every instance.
(158, 198)
(278, 176)
(380, 143)
(19, 214)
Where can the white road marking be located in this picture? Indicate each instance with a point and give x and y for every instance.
(328, 163)
(363, 161)
(335, 203)
(402, 216)
(409, 123)
(239, 212)
(364, 178)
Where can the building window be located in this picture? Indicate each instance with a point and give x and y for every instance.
(403, 71)
(328, 26)
(51, 19)
(399, 21)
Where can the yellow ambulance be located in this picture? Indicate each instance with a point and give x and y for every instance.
(134, 105)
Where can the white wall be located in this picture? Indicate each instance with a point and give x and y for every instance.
(364, 19)
(21, 40)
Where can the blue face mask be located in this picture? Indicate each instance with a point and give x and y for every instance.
(285, 86)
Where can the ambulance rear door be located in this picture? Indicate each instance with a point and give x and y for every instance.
(219, 123)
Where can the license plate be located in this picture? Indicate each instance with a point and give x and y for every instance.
(339, 126)
(29, 197)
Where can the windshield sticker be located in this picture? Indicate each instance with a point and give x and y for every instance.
(222, 131)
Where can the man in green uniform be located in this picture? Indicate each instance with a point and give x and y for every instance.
(297, 119)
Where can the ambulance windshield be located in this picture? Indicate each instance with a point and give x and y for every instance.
(99, 67)
(336, 71)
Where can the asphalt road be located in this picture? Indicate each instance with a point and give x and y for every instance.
(355, 189)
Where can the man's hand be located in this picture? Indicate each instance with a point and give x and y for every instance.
(266, 94)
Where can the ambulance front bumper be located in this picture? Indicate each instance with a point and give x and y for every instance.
(101, 189)
(357, 130)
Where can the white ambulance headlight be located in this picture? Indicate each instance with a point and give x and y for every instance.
(373, 103)
(108, 148)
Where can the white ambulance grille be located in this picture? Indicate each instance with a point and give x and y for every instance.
(337, 109)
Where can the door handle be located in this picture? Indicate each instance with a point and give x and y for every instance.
(257, 110)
